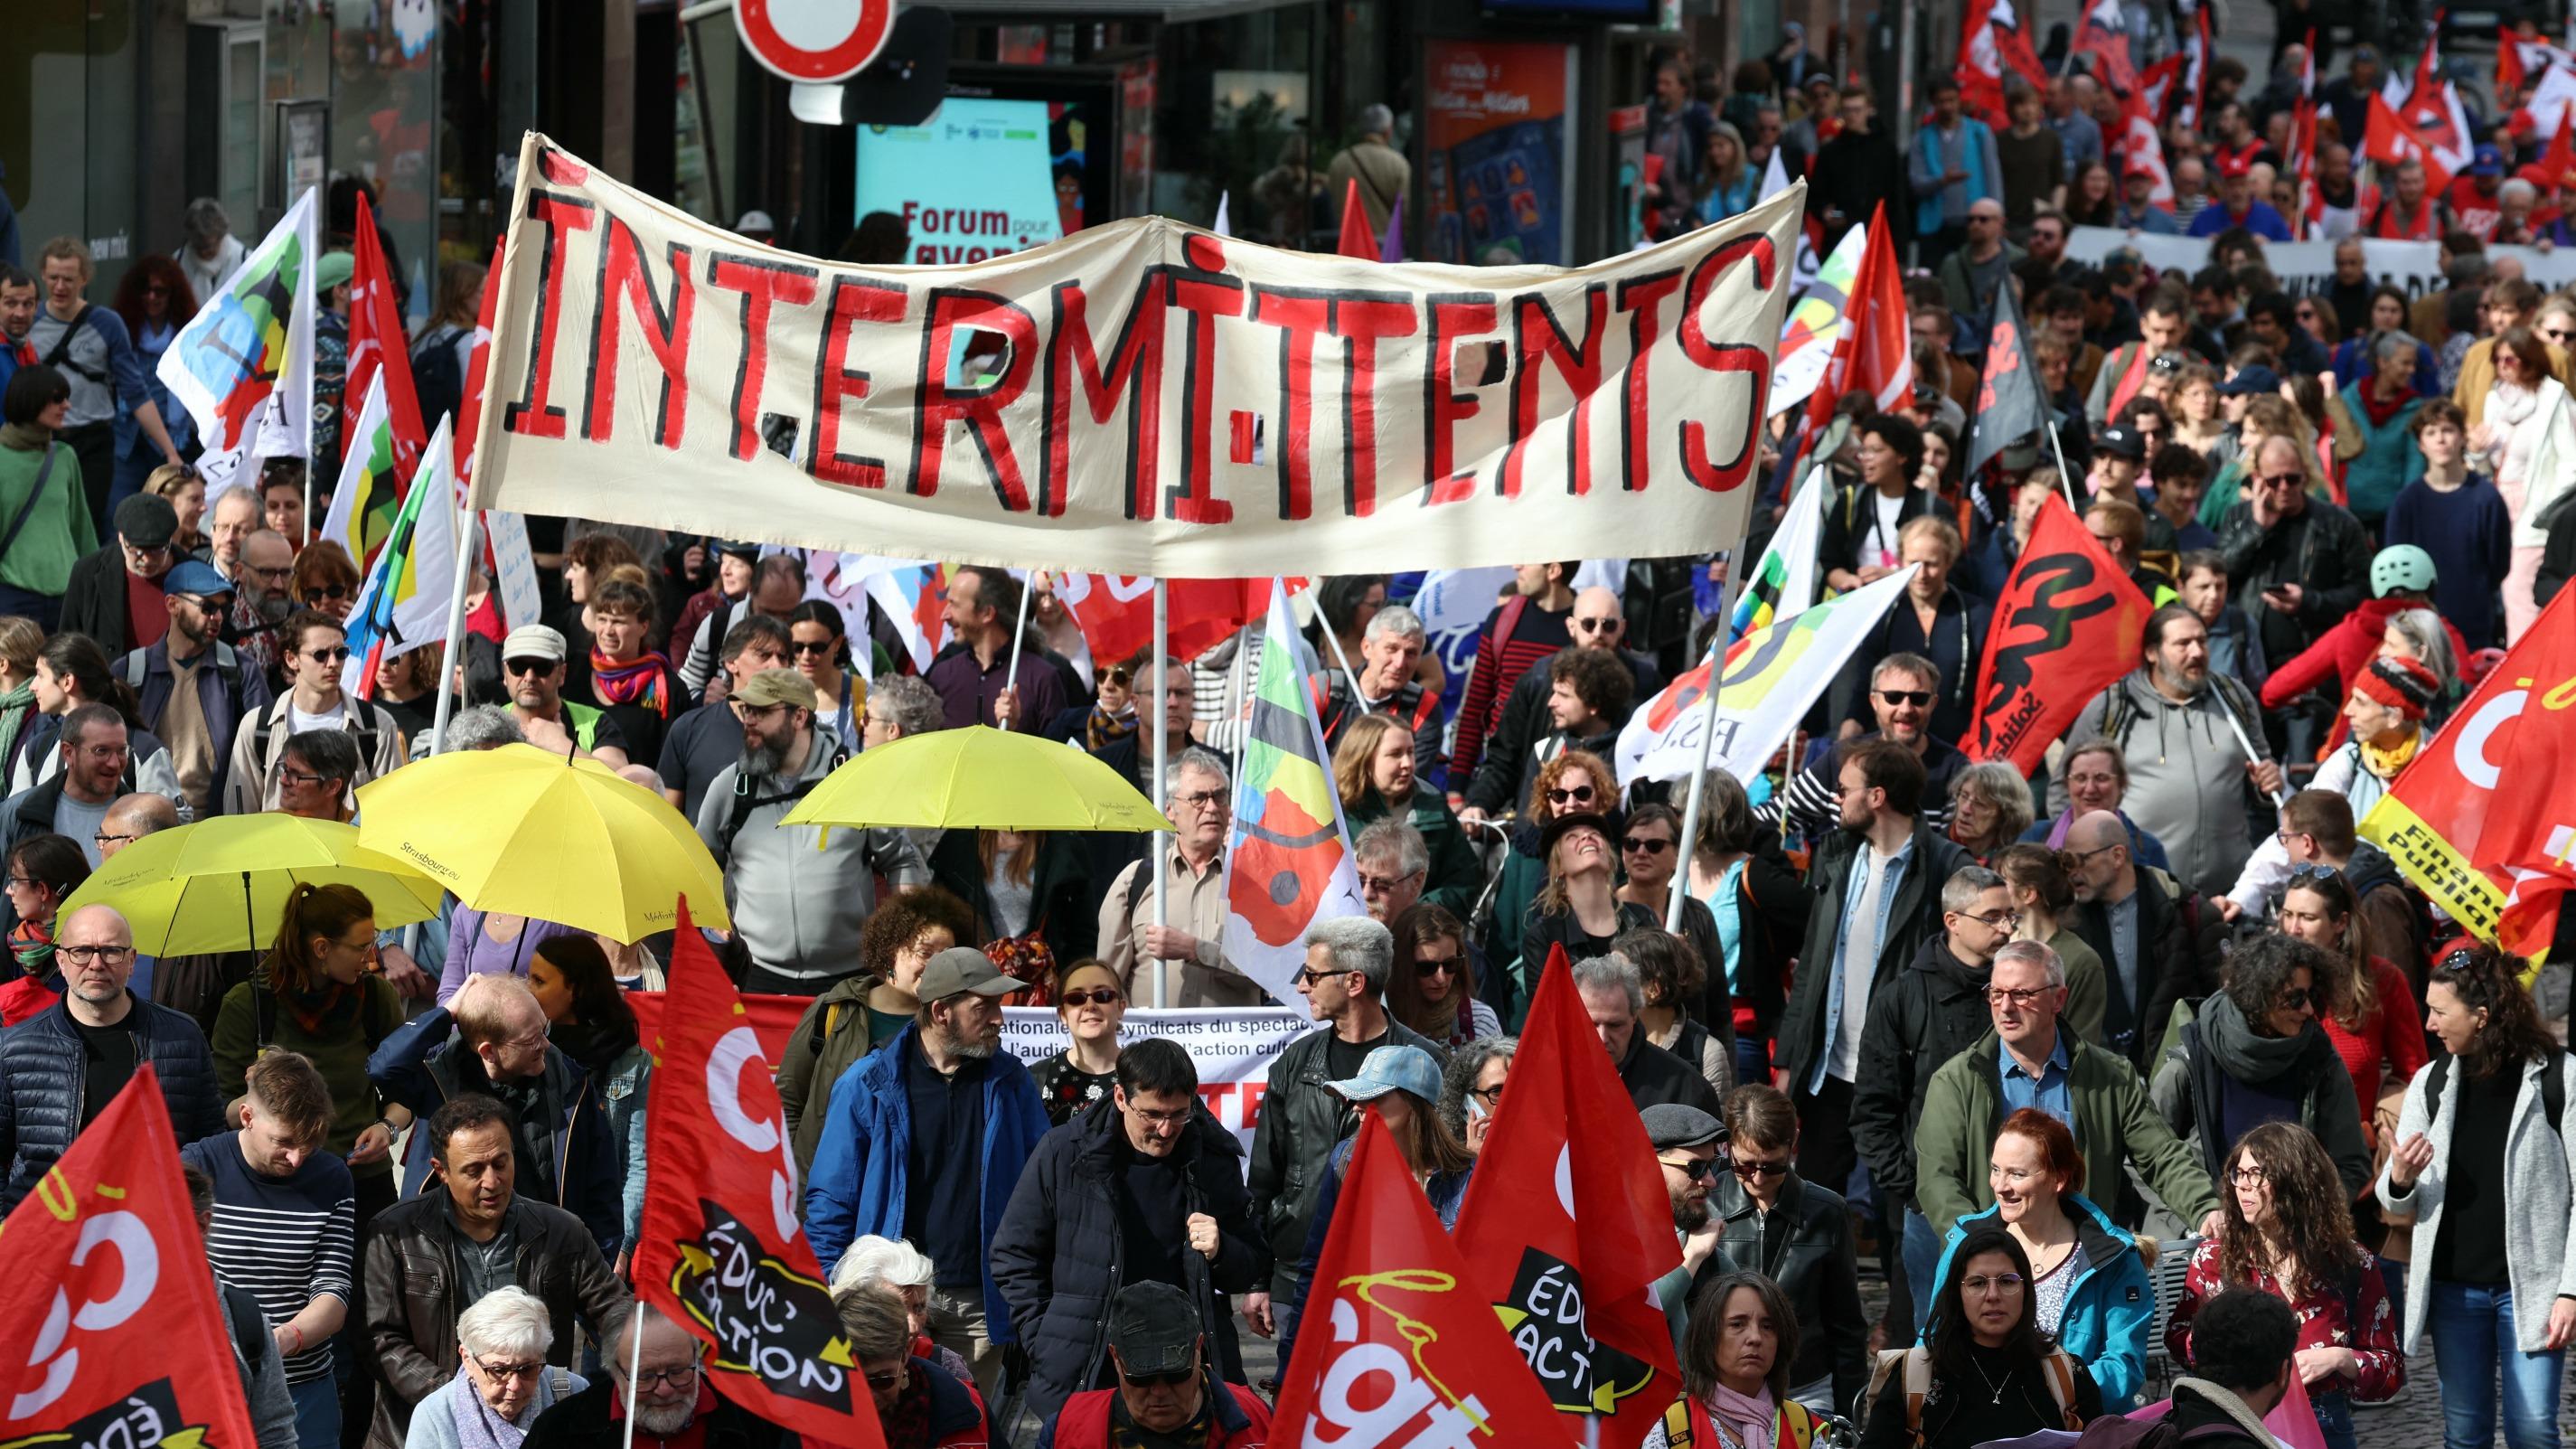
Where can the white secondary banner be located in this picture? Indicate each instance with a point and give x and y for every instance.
(2308, 266)
(1231, 1046)
(1142, 397)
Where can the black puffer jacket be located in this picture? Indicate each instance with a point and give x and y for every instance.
(1934, 1010)
(1058, 1254)
(1302, 1120)
(42, 1086)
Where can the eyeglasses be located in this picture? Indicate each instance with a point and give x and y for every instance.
(817, 647)
(1313, 977)
(105, 840)
(1099, 996)
(276, 575)
(1749, 1169)
(2297, 998)
(84, 955)
(2286, 480)
(1170, 1379)
(1693, 1168)
(2004, 1284)
(678, 1378)
(1450, 964)
(320, 593)
(2081, 856)
(1644, 845)
(1487, 1095)
(1200, 799)
(2462, 959)
(332, 655)
(1919, 698)
(749, 712)
(509, 1370)
(1579, 795)
(2559, 334)
(1384, 884)
(2251, 1174)
(220, 604)
(1596, 626)
(158, 550)
(299, 779)
(2018, 996)
(1999, 921)
(2312, 871)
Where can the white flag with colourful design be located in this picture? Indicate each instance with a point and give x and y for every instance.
(403, 603)
(369, 495)
(243, 366)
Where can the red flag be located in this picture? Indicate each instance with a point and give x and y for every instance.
(1566, 1147)
(1357, 239)
(2560, 158)
(1397, 1348)
(1875, 351)
(2101, 37)
(2508, 70)
(469, 409)
(1116, 612)
(376, 343)
(2066, 628)
(2391, 139)
(120, 1336)
(722, 1250)
(1990, 43)
(2196, 53)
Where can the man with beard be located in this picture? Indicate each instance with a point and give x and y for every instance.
(1902, 690)
(672, 1403)
(261, 600)
(1687, 1142)
(2177, 726)
(193, 688)
(925, 1141)
(799, 894)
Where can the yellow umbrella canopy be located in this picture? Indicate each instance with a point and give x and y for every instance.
(221, 884)
(978, 778)
(526, 832)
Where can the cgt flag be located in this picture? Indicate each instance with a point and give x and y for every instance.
(1398, 1348)
(2009, 406)
(1116, 611)
(124, 1332)
(2066, 628)
(1288, 861)
(1566, 1148)
(2495, 860)
(722, 1250)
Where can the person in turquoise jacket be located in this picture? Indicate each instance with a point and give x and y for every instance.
(2090, 1275)
(2374, 432)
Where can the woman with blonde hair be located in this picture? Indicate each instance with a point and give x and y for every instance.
(1579, 907)
(1374, 773)
(184, 488)
(325, 579)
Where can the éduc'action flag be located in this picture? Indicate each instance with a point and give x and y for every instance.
(1288, 861)
(116, 1329)
(2066, 628)
(1396, 1347)
(2009, 406)
(2496, 860)
(722, 1250)
(1567, 1226)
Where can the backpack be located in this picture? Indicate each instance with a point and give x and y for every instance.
(227, 668)
(1912, 1367)
(745, 802)
(2112, 1431)
(2120, 715)
(60, 357)
(2553, 1087)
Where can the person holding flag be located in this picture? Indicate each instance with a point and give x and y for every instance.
(1164, 1388)
(664, 1379)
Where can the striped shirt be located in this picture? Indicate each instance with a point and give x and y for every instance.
(284, 1240)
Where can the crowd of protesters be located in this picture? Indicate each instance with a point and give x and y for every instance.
(1985, 1037)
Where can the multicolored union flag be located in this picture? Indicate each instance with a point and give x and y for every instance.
(1807, 338)
(1288, 861)
(253, 341)
(369, 494)
(1783, 584)
(403, 603)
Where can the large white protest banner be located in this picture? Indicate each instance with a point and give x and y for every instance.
(1142, 397)
(1231, 1046)
(2307, 266)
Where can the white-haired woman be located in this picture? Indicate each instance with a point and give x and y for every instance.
(905, 1269)
(502, 1382)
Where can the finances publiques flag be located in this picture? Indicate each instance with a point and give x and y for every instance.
(243, 366)
(1288, 861)
(369, 494)
(2066, 627)
(2496, 860)
(1397, 1346)
(120, 1325)
(722, 1250)
(402, 605)
(1567, 1226)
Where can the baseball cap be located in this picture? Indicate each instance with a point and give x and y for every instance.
(146, 520)
(1673, 1124)
(2234, 165)
(197, 577)
(533, 641)
(2250, 382)
(1155, 1329)
(959, 968)
(2489, 162)
(756, 220)
(335, 269)
(776, 686)
(1389, 1068)
(2120, 442)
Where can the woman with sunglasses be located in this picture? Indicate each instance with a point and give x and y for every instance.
(2484, 1166)
(1433, 987)
(315, 651)
(2289, 1234)
(2088, 1275)
(1373, 770)
(1799, 1235)
(2256, 1054)
(1471, 1086)
(1092, 1005)
(1576, 781)
(155, 301)
(2318, 320)
(325, 579)
(2526, 406)
(1579, 908)
(1985, 1370)
(1649, 856)
(818, 647)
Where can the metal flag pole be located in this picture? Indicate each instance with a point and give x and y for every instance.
(1019, 631)
(634, 1367)
(1686, 846)
(448, 653)
(1366, 704)
(1162, 747)
(2280, 797)
(2063, 477)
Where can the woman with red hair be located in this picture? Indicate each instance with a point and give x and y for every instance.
(2089, 1275)
(155, 300)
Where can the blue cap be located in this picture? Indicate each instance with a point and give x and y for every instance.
(1390, 1068)
(2489, 162)
(195, 576)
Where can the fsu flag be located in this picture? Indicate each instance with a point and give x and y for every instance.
(722, 1250)
(2009, 406)
(1288, 862)
(1567, 1148)
(117, 1332)
(2067, 626)
(377, 348)
(2496, 860)
(1397, 1348)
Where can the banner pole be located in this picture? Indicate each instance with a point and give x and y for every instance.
(2281, 796)
(2063, 477)
(1019, 631)
(1366, 704)
(1162, 747)
(1688, 844)
(448, 653)
(634, 1366)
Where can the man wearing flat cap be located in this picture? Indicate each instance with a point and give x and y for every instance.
(1689, 1146)
(114, 595)
(1165, 1398)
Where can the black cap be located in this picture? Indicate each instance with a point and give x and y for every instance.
(1673, 1124)
(2254, 381)
(1154, 1327)
(1558, 826)
(146, 520)
(2120, 442)
(739, 548)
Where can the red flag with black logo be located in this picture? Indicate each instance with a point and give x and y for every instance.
(1395, 1345)
(2066, 628)
(723, 1250)
(119, 1331)
(377, 344)
(1567, 1147)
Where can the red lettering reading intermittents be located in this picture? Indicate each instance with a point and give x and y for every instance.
(1066, 364)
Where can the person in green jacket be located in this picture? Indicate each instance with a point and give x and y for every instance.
(2374, 436)
(44, 515)
(864, 1011)
(1373, 770)
(2027, 1061)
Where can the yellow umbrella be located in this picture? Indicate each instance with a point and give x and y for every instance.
(978, 778)
(526, 832)
(221, 884)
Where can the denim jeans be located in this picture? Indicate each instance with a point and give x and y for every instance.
(317, 1413)
(1752, 1059)
(2394, 1275)
(2334, 1419)
(1922, 1259)
(2473, 1339)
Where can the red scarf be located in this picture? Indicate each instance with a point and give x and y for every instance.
(638, 681)
(2382, 409)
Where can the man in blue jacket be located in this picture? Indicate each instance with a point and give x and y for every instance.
(924, 1140)
(222, 688)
